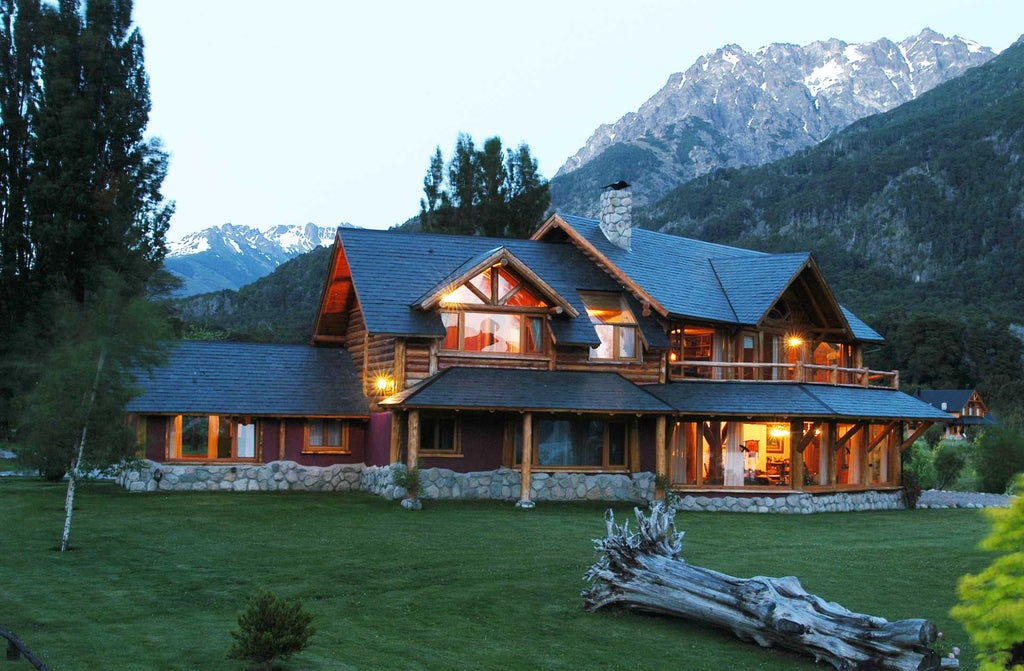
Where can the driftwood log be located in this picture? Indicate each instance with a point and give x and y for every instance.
(643, 571)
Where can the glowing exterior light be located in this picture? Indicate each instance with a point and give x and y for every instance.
(384, 384)
(795, 341)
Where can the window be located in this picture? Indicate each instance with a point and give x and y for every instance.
(577, 442)
(211, 437)
(439, 435)
(615, 326)
(494, 312)
(326, 436)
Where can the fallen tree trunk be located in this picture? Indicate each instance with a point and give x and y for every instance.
(644, 572)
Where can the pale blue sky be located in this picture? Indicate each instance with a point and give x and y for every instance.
(328, 111)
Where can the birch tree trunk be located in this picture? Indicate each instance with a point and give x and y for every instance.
(69, 500)
(644, 572)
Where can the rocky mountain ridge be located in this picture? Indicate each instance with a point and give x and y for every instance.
(230, 256)
(734, 108)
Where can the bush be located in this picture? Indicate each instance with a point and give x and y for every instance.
(409, 479)
(911, 489)
(991, 604)
(272, 628)
(919, 461)
(950, 458)
(999, 456)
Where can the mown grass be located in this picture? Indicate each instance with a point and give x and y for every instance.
(156, 581)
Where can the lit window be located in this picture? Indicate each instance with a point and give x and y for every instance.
(328, 436)
(615, 326)
(211, 437)
(512, 323)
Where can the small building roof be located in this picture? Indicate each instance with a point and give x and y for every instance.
(528, 391)
(955, 399)
(229, 378)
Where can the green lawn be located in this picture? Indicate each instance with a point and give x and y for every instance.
(156, 581)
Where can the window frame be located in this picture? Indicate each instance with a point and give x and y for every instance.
(343, 431)
(213, 423)
(436, 422)
(621, 424)
(596, 301)
(498, 302)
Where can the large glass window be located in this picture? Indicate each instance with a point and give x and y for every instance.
(211, 437)
(577, 442)
(494, 312)
(615, 326)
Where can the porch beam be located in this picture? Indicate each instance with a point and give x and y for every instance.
(882, 436)
(660, 456)
(921, 428)
(412, 455)
(845, 438)
(806, 438)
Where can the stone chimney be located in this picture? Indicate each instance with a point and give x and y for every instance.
(616, 218)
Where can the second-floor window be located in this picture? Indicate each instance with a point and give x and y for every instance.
(494, 312)
(615, 326)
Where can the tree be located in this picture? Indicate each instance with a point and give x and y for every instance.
(73, 419)
(491, 191)
(991, 604)
(79, 182)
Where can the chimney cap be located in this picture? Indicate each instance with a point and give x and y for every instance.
(617, 186)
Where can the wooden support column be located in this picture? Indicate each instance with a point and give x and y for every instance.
(412, 454)
(395, 452)
(796, 454)
(660, 455)
(633, 445)
(527, 462)
(281, 434)
(828, 451)
(398, 375)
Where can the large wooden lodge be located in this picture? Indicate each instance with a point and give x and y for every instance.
(591, 349)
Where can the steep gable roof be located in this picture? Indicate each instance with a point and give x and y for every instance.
(391, 272)
(691, 279)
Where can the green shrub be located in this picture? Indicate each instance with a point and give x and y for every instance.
(272, 628)
(950, 457)
(409, 479)
(911, 489)
(991, 604)
(999, 456)
(919, 461)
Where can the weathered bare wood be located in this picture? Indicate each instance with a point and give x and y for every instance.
(643, 571)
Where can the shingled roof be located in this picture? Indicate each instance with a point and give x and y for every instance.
(528, 390)
(703, 280)
(791, 399)
(393, 272)
(227, 378)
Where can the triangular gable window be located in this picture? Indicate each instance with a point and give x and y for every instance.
(494, 311)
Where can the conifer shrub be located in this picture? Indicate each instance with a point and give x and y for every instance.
(950, 458)
(991, 605)
(272, 628)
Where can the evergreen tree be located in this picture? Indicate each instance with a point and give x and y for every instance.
(491, 191)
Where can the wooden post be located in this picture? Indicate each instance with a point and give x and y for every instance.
(527, 462)
(395, 453)
(398, 375)
(829, 451)
(413, 444)
(660, 456)
(633, 445)
(796, 454)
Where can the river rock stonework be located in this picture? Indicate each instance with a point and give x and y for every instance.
(502, 484)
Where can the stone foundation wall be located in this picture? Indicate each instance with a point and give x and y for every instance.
(795, 503)
(502, 484)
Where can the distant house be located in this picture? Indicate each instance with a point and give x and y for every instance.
(964, 405)
(581, 363)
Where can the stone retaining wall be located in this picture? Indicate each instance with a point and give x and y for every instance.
(502, 484)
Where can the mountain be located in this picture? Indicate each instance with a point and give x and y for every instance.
(231, 256)
(733, 108)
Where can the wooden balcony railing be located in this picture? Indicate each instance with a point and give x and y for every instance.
(786, 372)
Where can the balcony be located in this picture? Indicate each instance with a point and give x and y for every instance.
(784, 372)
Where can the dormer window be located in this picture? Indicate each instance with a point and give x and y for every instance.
(615, 326)
(494, 312)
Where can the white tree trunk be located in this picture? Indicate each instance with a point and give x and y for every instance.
(69, 500)
(643, 571)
